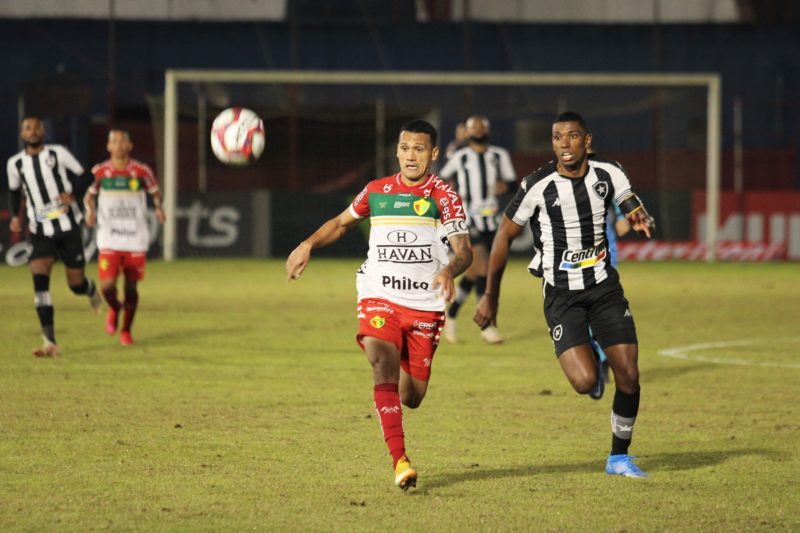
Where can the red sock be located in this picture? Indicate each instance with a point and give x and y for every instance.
(131, 301)
(110, 295)
(390, 414)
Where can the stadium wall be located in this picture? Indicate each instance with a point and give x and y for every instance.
(761, 64)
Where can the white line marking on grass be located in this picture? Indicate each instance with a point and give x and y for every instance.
(687, 352)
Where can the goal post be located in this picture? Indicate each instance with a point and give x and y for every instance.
(710, 81)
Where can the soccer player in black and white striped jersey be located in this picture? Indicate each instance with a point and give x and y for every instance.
(566, 203)
(480, 172)
(40, 171)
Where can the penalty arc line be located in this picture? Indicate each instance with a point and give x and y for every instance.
(686, 352)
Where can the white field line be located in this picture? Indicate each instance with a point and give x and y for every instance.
(688, 353)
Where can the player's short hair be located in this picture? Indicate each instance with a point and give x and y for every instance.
(30, 117)
(571, 116)
(483, 119)
(420, 126)
(125, 132)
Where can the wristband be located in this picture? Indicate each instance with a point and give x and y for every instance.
(631, 204)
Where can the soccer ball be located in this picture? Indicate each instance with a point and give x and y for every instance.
(237, 136)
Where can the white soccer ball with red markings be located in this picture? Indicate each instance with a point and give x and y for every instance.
(237, 136)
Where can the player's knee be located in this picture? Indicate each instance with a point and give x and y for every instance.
(583, 385)
(583, 382)
(84, 287)
(627, 379)
(412, 401)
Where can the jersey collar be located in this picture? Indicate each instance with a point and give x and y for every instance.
(422, 185)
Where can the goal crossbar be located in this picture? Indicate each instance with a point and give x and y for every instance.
(712, 81)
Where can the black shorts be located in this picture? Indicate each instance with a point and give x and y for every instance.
(603, 307)
(67, 246)
(481, 237)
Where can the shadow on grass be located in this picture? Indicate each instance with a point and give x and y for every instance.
(670, 372)
(182, 334)
(653, 464)
(173, 337)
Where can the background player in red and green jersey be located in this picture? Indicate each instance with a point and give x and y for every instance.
(122, 234)
(406, 281)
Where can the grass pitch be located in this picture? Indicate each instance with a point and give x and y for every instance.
(246, 404)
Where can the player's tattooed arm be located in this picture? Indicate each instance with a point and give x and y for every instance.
(462, 248)
(459, 263)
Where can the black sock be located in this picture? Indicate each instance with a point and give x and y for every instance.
(44, 305)
(480, 286)
(623, 417)
(462, 293)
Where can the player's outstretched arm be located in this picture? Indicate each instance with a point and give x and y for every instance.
(486, 311)
(462, 259)
(328, 233)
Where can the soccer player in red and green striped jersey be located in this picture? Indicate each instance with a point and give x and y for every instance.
(406, 281)
(117, 203)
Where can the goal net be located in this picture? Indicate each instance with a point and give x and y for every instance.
(329, 133)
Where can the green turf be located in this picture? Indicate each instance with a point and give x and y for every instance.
(245, 404)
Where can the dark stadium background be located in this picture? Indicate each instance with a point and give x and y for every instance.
(83, 75)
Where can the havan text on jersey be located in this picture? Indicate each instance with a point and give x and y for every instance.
(407, 228)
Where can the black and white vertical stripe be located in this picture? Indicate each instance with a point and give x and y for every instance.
(44, 177)
(476, 176)
(568, 214)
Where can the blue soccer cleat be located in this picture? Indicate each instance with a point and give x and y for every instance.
(622, 465)
(600, 386)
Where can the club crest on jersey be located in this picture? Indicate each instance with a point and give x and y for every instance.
(133, 183)
(600, 189)
(50, 161)
(377, 321)
(421, 206)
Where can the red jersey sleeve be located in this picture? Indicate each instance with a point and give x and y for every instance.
(149, 178)
(451, 210)
(360, 206)
(449, 202)
(98, 173)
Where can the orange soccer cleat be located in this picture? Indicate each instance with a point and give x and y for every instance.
(405, 477)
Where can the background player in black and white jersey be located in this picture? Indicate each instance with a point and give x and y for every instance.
(480, 173)
(40, 171)
(566, 203)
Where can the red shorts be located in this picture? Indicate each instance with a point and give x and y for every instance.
(110, 262)
(415, 333)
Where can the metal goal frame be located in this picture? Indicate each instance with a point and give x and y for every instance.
(710, 80)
